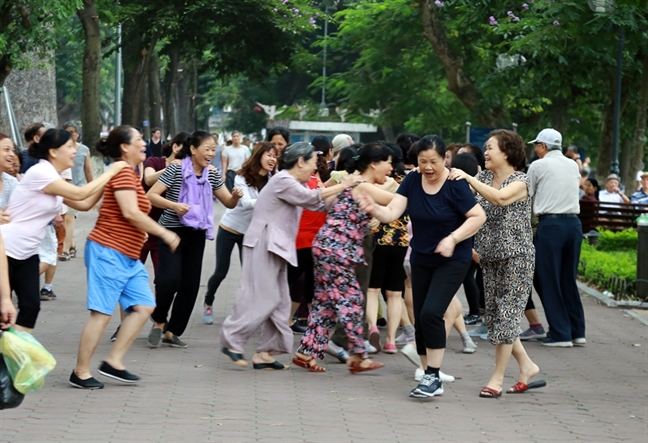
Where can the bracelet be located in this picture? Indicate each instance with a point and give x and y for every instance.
(454, 237)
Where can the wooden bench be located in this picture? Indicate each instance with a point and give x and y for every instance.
(612, 216)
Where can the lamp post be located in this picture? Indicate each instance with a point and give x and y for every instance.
(606, 7)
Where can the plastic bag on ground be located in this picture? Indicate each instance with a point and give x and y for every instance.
(27, 360)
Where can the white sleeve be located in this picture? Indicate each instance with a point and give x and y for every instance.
(247, 201)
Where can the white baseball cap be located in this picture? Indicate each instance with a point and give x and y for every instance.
(548, 136)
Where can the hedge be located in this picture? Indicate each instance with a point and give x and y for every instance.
(601, 267)
(617, 241)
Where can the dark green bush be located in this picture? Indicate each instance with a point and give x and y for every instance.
(617, 241)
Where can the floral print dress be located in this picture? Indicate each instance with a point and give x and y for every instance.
(337, 249)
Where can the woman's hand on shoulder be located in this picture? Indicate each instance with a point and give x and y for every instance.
(351, 180)
(458, 174)
(212, 168)
(116, 167)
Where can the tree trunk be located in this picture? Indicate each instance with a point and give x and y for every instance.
(183, 101)
(155, 94)
(90, 112)
(388, 133)
(458, 82)
(638, 143)
(137, 59)
(145, 110)
(170, 86)
(5, 69)
(559, 115)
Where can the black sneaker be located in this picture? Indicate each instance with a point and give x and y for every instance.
(472, 319)
(88, 383)
(114, 336)
(121, 375)
(381, 323)
(47, 294)
(429, 386)
(298, 330)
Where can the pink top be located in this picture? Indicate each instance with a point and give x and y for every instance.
(31, 211)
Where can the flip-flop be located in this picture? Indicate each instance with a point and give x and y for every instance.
(520, 387)
(274, 366)
(487, 392)
(235, 357)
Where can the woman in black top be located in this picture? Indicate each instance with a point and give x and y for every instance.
(444, 216)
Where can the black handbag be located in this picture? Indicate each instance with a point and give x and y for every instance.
(9, 396)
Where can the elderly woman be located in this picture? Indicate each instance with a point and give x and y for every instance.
(444, 217)
(263, 298)
(506, 253)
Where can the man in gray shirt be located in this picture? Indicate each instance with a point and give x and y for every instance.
(553, 184)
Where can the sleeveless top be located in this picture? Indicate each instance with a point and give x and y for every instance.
(344, 230)
(507, 232)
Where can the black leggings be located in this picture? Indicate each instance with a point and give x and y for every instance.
(225, 241)
(305, 267)
(474, 296)
(433, 288)
(179, 278)
(23, 278)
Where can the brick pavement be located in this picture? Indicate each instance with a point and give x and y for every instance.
(596, 393)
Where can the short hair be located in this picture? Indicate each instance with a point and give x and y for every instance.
(111, 146)
(466, 162)
(154, 130)
(52, 139)
(476, 151)
(278, 130)
(511, 145)
(32, 131)
(294, 152)
(431, 142)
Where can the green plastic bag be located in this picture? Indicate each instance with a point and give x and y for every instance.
(27, 360)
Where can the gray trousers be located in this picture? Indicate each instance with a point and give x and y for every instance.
(363, 273)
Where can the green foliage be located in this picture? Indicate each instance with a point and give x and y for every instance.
(618, 241)
(29, 28)
(598, 267)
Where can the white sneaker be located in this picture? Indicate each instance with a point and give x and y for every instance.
(445, 378)
(337, 352)
(579, 341)
(370, 349)
(409, 351)
(469, 347)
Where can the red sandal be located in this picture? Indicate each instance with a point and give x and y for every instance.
(487, 392)
(309, 365)
(520, 387)
(355, 366)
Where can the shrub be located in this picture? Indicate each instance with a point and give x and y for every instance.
(617, 241)
(601, 268)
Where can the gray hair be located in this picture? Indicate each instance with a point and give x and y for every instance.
(294, 152)
(552, 147)
(72, 124)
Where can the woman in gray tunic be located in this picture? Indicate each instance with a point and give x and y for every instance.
(263, 298)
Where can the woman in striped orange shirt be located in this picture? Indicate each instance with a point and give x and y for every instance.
(115, 273)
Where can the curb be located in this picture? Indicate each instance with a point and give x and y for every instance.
(610, 302)
(636, 316)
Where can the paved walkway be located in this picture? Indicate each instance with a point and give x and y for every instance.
(594, 394)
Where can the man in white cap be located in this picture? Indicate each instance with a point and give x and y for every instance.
(612, 193)
(553, 184)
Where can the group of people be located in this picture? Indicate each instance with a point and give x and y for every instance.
(327, 225)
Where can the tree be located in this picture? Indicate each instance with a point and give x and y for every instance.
(28, 27)
(90, 101)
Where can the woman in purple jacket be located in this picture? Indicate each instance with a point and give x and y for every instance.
(263, 298)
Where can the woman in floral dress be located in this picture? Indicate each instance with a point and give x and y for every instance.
(337, 249)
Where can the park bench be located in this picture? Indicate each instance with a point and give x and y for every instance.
(612, 216)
